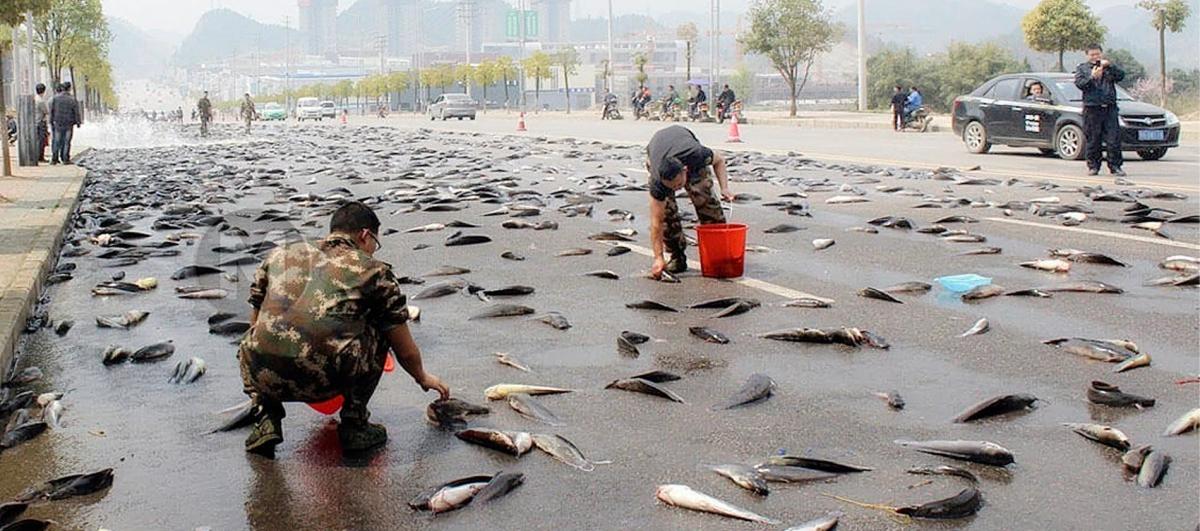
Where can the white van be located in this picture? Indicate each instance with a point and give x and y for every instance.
(308, 109)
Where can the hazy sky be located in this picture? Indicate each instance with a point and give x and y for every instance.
(179, 16)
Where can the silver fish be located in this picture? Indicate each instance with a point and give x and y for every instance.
(822, 243)
(1106, 435)
(638, 385)
(1154, 467)
(188, 371)
(1188, 422)
(981, 326)
(501, 391)
(563, 450)
(685, 497)
(501, 310)
(824, 523)
(985, 452)
(529, 408)
(1140, 360)
(757, 387)
(123, 321)
(515, 443)
(743, 476)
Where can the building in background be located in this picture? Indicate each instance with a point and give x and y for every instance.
(403, 27)
(553, 20)
(318, 27)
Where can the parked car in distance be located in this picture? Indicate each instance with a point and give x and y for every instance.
(308, 109)
(328, 109)
(453, 105)
(1001, 111)
(273, 111)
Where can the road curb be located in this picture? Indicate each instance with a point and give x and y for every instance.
(27, 287)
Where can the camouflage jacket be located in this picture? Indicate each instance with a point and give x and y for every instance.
(317, 300)
(247, 110)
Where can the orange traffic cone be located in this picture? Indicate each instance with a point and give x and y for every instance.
(735, 136)
(521, 123)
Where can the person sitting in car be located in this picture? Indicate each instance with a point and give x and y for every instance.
(1037, 93)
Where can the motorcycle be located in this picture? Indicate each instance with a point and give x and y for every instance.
(665, 109)
(610, 112)
(699, 112)
(918, 120)
(725, 112)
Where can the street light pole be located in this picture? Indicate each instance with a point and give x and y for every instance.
(608, 75)
(287, 63)
(862, 56)
(713, 65)
(521, 52)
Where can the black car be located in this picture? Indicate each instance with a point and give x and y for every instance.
(1002, 111)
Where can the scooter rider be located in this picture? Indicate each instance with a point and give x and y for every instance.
(725, 102)
(913, 103)
(610, 102)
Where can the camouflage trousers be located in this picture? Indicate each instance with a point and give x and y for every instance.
(708, 209)
(248, 125)
(352, 373)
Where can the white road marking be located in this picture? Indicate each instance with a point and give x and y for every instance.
(1143, 239)
(752, 283)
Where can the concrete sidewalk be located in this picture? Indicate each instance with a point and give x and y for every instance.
(34, 208)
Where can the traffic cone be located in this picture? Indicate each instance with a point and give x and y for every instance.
(521, 123)
(735, 136)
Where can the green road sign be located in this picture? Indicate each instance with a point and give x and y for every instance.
(531, 23)
(512, 24)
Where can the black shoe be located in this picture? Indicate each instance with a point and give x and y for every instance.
(1093, 171)
(1118, 172)
(678, 264)
(361, 436)
(54, 163)
(267, 434)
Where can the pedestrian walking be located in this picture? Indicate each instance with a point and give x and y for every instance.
(898, 99)
(204, 108)
(676, 159)
(42, 115)
(323, 317)
(247, 111)
(1097, 78)
(64, 118)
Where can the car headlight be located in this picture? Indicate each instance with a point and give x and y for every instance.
(1121, 120)
(1172, 119)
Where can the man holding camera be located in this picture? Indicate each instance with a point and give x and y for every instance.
(1097, 78)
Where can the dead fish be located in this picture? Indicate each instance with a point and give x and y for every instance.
(944, 470)
(1110, 395)
(15, 403)
(29, 524)
(563, 450)
(1053, 266)
(651, 305)
(505, 358)
(743, 476)
(908, 287)
(1031, 292)
(983, 292)
(868, 230)
(62, 327)
(961, 505)
(441, 289)
(69, 486)
(244, 414)
(984, 452)
(893, 399)
(467, 239)
(509, 291)
(806, 302)
(872, 293)
(426, 228)
(449, 496)
(709, 335)
(618, 250)
(1141, 360)
(1106, 435)
(188, 371)
(1096, 349)
(997, 405)
(447, 271)
(638, 385)
(956, 219)
(824, 523)
(502, 310)
(229, 328)
(499, 486)
(151, 353)
(619, 214)
(194, 271)
(24, 376)
(666, 278)
(822, 244)
(501, 391)
(124, 321)
(684, 497)
(783, 228)
(627, 348)
(1133, 458)
(21, 433)
(1188, 422)
(1083, 286)
(1076, 255)
(611, 236)
(791, 474)
(981, 251)
(515, 443)
(965, 238)
(724, 302)
(981, 326)
(529, 408)
(196, 292)
(845, 200)
(844, 336)
(578, 251)
(811, 463)
(736, 308)
(114, 355)
(452, 413)
(603, 273)
(758, 387)
(9, 512)
(1154, 467)
(509, 255)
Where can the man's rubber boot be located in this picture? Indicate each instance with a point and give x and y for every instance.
(267, 434)
(677, 265)
(361, 436)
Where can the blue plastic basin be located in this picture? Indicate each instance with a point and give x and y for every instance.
(962, 283)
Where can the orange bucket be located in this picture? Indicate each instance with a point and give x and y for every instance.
(333, 405)
(722, 249)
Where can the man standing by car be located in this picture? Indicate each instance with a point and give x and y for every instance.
(248, 111)
(1097, 79)
(898, 99)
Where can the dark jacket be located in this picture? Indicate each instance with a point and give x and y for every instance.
(1101, 91)
(726, 97)
(64, 111)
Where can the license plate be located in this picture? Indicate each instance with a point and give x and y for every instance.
(1152, 135)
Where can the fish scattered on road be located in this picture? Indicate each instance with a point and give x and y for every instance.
(981, 326)
(1154, 467)
(639, 385)
(1188, 422)
(563, 450)
(709, 335)
(452, 413)
(505, 358)
(685, 497)
(984, 452)
(823, 523)
(821, 244)
(123, 321)
(501, 310)
(997, 405)
(114, 355)
(152, 353)
(449, 496)
(515, 443)
(530, 408)
(188, 371)
(873, 293)
(758, 387)
(501, 391)
(69, 486)
(1106, 435)
(944, 470)
(651, 305)
(743, 476)
(892, 398)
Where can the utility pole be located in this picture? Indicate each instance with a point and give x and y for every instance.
(715, 6)
(33, 66)
(521, 52)
(287, 63)
(862, 56)
(608, 75)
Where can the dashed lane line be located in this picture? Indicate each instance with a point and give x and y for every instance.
(1131, 237)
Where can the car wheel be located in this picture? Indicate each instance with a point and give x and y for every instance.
(1047, 151)
(1069, 142)
(472, 117)
(976, 138)
(1152, 153)
(432, 117)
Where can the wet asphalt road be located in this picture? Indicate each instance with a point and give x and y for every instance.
(171, 475)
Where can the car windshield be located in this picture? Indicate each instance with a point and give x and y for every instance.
(307, 102)
(456, 97)
(1067, 88)
(273, 106)
(327, 104)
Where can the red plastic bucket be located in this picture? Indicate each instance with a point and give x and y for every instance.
(722, 249)
(333, 405)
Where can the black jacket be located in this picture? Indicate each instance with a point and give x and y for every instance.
(1101, 91)
(64, 111)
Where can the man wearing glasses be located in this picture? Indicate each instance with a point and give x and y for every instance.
(324, 316)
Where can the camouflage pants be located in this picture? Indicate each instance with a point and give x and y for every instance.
(353, 373)
(708, 209)
(247, 125)
(204, 127)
